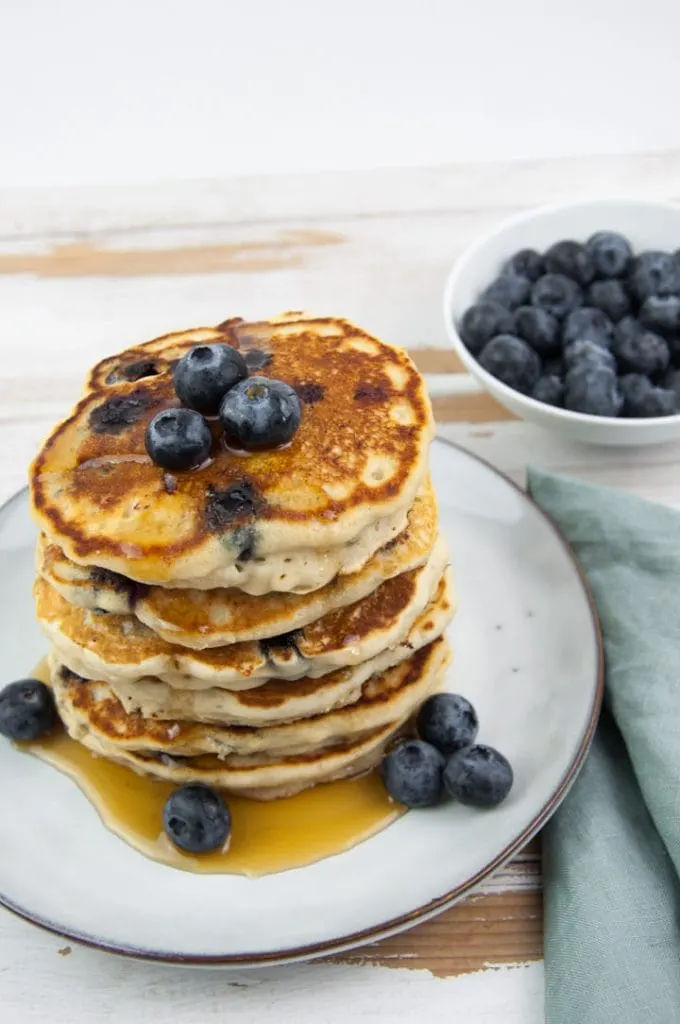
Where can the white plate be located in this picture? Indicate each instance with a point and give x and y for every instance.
(527, 653)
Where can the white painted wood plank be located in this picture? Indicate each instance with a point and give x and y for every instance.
(499, 187)
(38, 985)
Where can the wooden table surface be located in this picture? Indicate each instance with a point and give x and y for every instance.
(86, 272)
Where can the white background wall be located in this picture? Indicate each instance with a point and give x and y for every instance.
(104, 91)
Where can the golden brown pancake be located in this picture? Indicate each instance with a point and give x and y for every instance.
(357, 460)
(213, 618)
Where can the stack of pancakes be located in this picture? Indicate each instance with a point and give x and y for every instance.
(270, 620)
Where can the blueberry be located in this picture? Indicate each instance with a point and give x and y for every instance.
(549, 389)
(627, 329)
(510, 290)
(611, 254)
(412, 773)
(196, 819)
(27, 710)
(448, 722)
(642, 352)
(671, 381)
(260, 413)
(654, 273)
(178, 439)
(511, 360)
(661, 313)
(588, 323)
(572, 259)
(611, 297)
(593, 389)
(577, 353)
(556, 294)
(540, 329)
(482, 322)
(642, 399)
(526, 263)
(478, 777)
(203, 376)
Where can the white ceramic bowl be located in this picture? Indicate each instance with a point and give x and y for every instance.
(648, 225)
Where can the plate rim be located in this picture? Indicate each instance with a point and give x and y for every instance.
(402, 922)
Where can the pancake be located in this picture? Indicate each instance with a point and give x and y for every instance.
(101, 646)
(278, 520)
(257, 776)
(389, 697)
(260, 776)
(282, 700)
(200, 619)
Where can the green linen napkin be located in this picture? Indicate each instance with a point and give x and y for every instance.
(612, 851)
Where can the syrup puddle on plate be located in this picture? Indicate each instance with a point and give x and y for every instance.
(266, 836)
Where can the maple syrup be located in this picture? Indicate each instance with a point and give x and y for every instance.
(266, 836)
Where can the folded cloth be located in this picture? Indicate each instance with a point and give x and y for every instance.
(612, 850)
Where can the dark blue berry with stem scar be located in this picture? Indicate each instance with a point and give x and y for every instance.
(661, 313)
(479, 776)
(654, 273)
(260, 413)
(448, 721)
(178, 439)
(482, 322)
(525, 263)
(510, 290)
(412, 773)
(642, 399)
(539, 329)
(27, 710)
(549, 389)
(611, 297)
(644, 352)
(196, 819)
(572, 259)
(512, 361)
(556, 294)
(593, 389)
(205, 373)
(588, 323)
(586, 351)
(611, 254)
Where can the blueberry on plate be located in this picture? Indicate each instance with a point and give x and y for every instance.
(203, 376)
(556, 294)
(549, 389)
(538, 328)
(482, 322)
(27, 710)
(572, 259)
(611, 254)
(654, 273)
(642, 399)
(661, 313)
(643, 352)
(412, 773)
(178, 439)
(479, 776)
(577, 353)
(260, 413)
(510, 290)
(627, 329)
(526, 263)
(592, 388)
(588, 323)
(611, 297)
(447, 721)
(511, 360)
(196, 819)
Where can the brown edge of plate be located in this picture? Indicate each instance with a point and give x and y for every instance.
(421, 914)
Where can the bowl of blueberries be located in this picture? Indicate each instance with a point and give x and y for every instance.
(570, 317)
